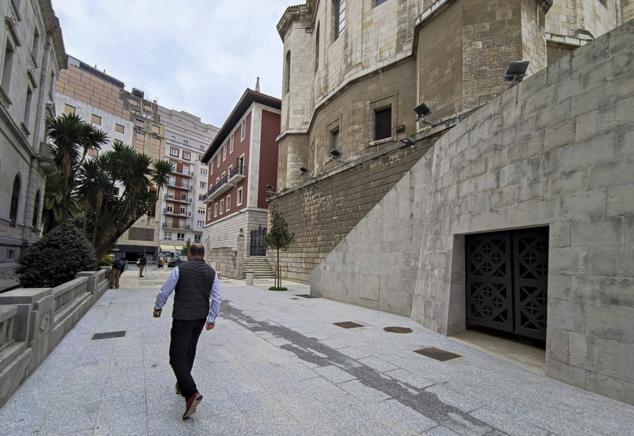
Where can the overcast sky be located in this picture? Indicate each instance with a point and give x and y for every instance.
(192, 55)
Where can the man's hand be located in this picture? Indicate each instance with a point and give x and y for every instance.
(210, 325)
(157, 313)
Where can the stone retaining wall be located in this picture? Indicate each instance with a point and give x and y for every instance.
(34, 320)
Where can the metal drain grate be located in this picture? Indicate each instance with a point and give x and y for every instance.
(437, 353)
(306, 296)
(398, 329)
(348, 324)
(108, 335)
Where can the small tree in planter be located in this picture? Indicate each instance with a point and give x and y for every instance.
(56, 258)
(278, 238)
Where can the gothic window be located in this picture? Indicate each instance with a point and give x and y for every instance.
(339, 17)
(317, 49)
(383, 123)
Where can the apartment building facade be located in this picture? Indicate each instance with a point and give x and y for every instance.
(32, 56)
(242, 163)
(183, 210)
(159, 132)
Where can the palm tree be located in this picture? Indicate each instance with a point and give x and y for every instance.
(95, 185)
(72, 140)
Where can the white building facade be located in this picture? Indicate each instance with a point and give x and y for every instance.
(32, 55)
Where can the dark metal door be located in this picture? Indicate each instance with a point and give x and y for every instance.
(530, 278)
(489, 285)
(256, 247)
(507, 274)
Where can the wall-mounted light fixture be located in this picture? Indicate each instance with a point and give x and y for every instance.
(515, 72)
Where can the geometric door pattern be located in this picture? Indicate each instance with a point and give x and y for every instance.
(507, 276)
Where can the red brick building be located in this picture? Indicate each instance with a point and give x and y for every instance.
(242, 162)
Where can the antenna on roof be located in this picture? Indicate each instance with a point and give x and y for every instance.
(257, 85)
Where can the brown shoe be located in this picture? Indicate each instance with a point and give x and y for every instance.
(178, 390)
(190, 405)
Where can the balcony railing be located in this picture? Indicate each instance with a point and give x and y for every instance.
(166, 211)
(186, 173)
(178, 198)
(175, 184)
(168, 225)
(225, 183)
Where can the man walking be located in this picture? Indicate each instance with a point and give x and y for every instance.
(118, 266)
(142, 263)
(196, 304)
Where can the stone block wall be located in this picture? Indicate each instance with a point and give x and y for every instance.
(227, 262)
(558, 151)
(321, 213)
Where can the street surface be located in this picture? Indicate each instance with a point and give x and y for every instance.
(276, 365)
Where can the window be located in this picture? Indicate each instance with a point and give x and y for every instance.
(183, 210)
(224, 153)
(36, 210)
(200, 197)
(96, 119)
(229, 170)
(222, 206)
(203, 185)
(119, 128)
(200, 223)
(174, 151)
(197, 238)
(317, 49)
(201, 211)
(334, 138)
(239, 202)
(168, 236)
(69, 110)
(180, 236)
(51, 89)
(240, 164)
(27, 106)
(339, 17)
(170, 209)
(228, 203)
(218, 161)
(187, 155)
(203, 172)
(243, 130)
(215, 209)
(287, 73)
(379, 2)
(383, 123)
(231, 144)
(185, 141)
(7, 67)
(36, 43)
(15, 200)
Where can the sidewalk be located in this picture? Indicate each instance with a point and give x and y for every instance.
(276, 365)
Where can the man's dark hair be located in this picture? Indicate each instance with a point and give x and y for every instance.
(197, 250)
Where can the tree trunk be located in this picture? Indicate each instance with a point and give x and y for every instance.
(86, 217)
(279, 279)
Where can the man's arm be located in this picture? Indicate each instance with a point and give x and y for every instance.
(214, 301)
(166, 290)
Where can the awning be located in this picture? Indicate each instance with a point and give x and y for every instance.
(170, 248)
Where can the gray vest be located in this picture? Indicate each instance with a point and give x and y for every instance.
(191, 298)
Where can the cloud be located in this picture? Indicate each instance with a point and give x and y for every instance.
(192, 55)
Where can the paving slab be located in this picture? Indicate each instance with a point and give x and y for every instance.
(276, 365)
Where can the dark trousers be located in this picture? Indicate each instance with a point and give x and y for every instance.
(184, 338)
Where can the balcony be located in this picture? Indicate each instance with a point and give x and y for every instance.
(185, 173)
(168, 225)
(225, 183)
(177, 185)
(166, 211)
(178, 198)
(236, 175)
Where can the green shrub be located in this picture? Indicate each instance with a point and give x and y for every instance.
(106, 260)
(56, 258)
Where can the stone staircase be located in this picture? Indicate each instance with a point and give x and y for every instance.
(260, 266)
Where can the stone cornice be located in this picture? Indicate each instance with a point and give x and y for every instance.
(54, 31)
(293, 13)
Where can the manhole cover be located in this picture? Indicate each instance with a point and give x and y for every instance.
(108, 335)
(437, 353)
(348, 324)
(306, 296)
(398, 329)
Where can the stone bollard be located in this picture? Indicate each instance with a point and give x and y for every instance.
(249, 278)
